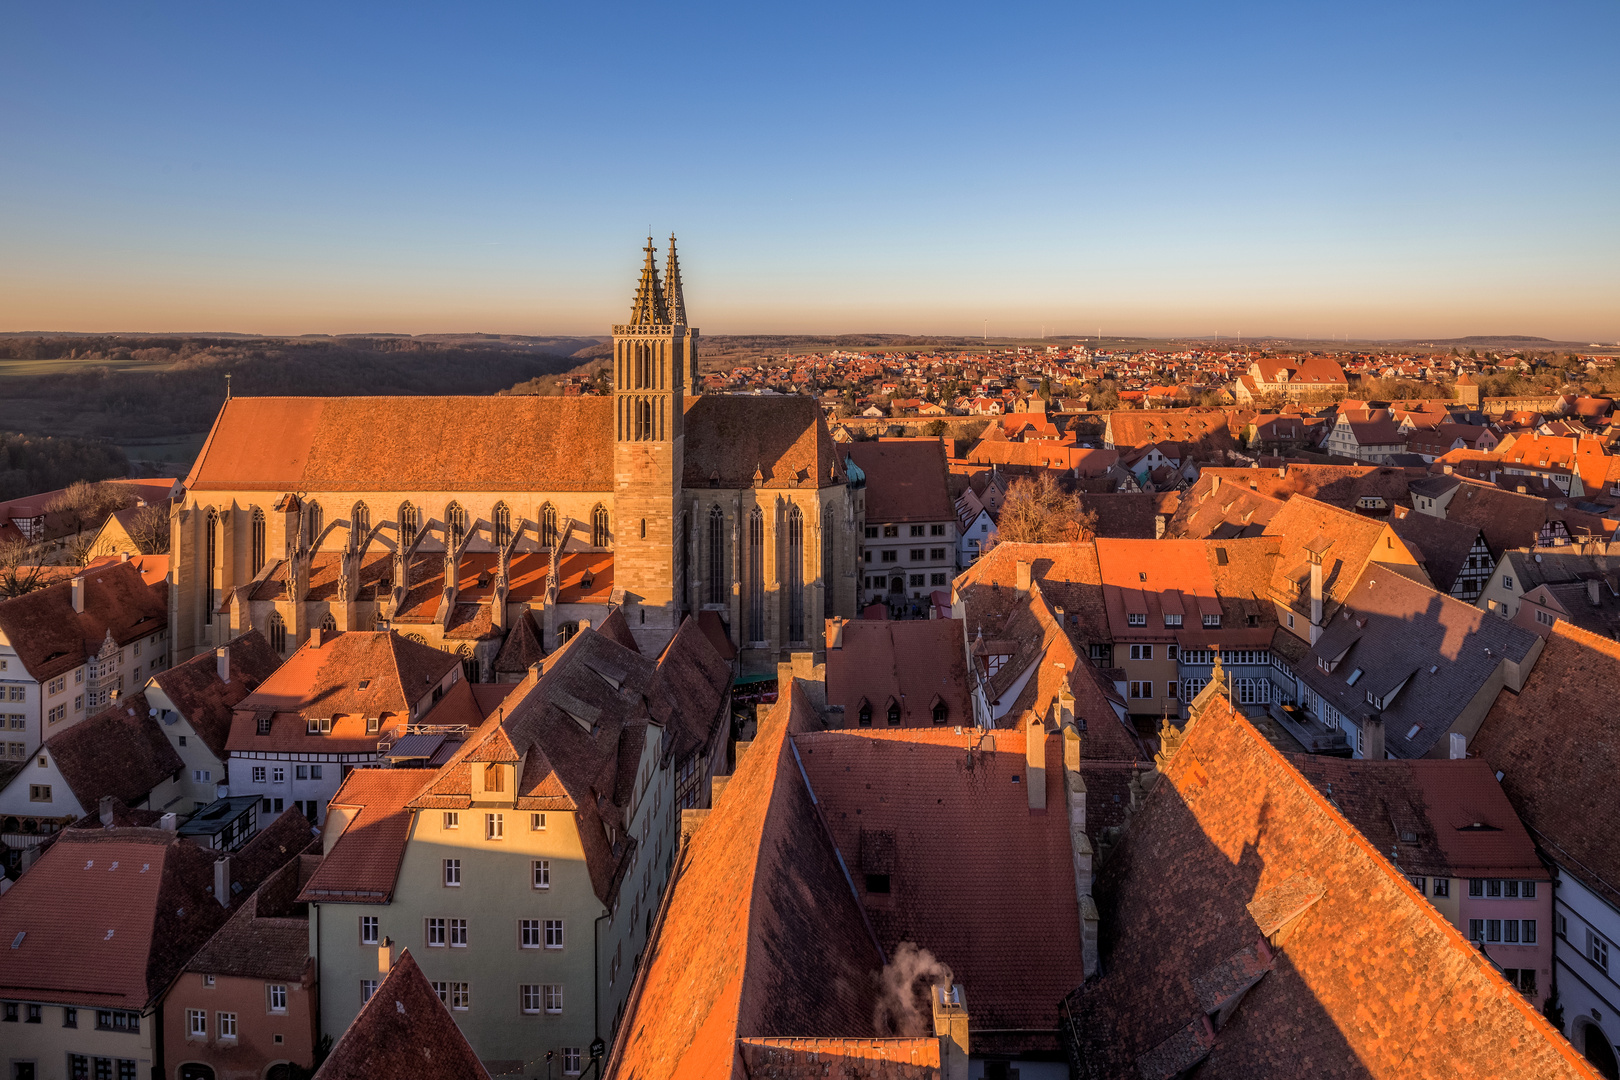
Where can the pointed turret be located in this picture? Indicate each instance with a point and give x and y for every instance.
(648, 308)
(674, 302)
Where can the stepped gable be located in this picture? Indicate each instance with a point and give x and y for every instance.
(783, 438)
(761, 938)
(1249, 930)
(1555, 744)
(503, 443)
(404, 1030)
(194, 689)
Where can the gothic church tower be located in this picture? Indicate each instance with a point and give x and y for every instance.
(654, 362)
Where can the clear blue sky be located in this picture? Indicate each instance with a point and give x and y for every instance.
(1288, 168)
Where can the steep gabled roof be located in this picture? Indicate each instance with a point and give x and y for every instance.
(195, 691)
(50, 637)
(1247, 925)
(404, 1030)
(916, 662)
(362, 865)
(689, 689)
(1441, 545)
(121, 751)
(1350, 541)
(730, 439)
(905, 479)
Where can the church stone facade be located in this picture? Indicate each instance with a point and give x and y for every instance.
(494, 527)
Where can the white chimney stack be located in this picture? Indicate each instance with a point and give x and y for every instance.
(222, 880)
(1459, 746)
(106, 811)
(222, 663)
(78, 593)
(169, 822)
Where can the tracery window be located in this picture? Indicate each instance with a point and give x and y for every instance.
(548, 526)
(212, 527)
(756, 575)
(795, 574)
(502, 519)
(599, 526)
(278, 632)
(410, 523)
(314, 521)
(455, 521)
(258, 540)
(827, 546)
(360, 523)
(719, 586)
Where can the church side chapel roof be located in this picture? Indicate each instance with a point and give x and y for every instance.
(475, 580)
(325, 567)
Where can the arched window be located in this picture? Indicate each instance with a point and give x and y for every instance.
(469, 671)
(795, 574)
(258, 540)
(756, 575)
(548, 526)
(211, 526)
(502, 520)
(360, 524)
(455, 523)
(328, 623)
(599, 526)
(410, 523)
(278, 632)
(719, 580)
(314, 521)
(827, 546)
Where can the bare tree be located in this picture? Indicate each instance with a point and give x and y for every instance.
(20, 571)
(149, 528)
(1038, 511)
(88, 505)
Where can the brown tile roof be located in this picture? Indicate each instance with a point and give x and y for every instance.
(363, 863)
(954, 841)
(268, 937)
(120, 751)
(323, 680)
(841, 1059)
(522, 648)
(1217, 507)
(1508, 519)
(510, 443)
(1555, 744)
(761, 936)
(915, 664)
(905, 479)
(404, 1030)
(1352, 541)
(689, 691)
(730, 438)
(1208, 431)
(1237, 868)
(195, 691)
(1132, 514)
(50, 637)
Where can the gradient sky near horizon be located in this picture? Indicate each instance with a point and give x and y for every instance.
(1376, 170)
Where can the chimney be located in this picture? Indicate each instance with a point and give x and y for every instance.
(169, 822)
(123, 556)
(1158, 526)
(1459, 746)
(1592, 595)
(1035, 763)
(1023, 575)
(1215, 485)
(222, 663)
(835, 632)
(1447, 469)
(222, 880)
(385, 955)
(1316, 594)
(78, 593)
(951, 1028)
(1372, 738)
(106, 811)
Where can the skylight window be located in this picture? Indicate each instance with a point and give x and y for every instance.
(364, 683)
(1412, 734)
(1354, 675)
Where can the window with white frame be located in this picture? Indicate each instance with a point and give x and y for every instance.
(1136, 619)
(1212, 622)
(551, 993)
(529, 933)
(367, 988)
(226, 1025)
(435, 932)
(1141, 652)
(570, 1063)
(542, 873)
(368, 929)
(529, 998)
(452, 820)
(1597, 950)
(494, 826)
(258, 774)
(278, 997)
(452, 872)
(457, 995)
(554, 933)
(1172, 620)
(458, 933)
(537, 823)
(196, 1023)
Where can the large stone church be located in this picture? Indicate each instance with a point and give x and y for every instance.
(495, 527)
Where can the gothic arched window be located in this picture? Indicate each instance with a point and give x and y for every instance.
(756, 575)
(328, 623)
(211, 527)
(360, 524)
(795, 574)
(502, 519)
(314, 521)
(827, 546)
(548, 526)
(469, 671)
(278, 632)
(455, 523)
(258, 540)
(599, 526)
(410, 523)
(719, 583)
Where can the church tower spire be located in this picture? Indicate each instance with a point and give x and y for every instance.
(674, 302)
(649, 307)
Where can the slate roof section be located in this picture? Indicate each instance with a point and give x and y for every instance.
(730, 438)
(195, 691)
(761, 936)
(905, 479)
(120, 751)
(1555, 743)
(404, 1030)
(914, 663)
(511, 443)
(1366, 978)
(50, 637)
(1394, 630)
(1435, 801)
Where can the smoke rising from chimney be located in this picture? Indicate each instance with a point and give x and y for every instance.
(903, 1009)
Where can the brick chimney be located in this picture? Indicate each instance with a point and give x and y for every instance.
(222, 880)
(951, 1028)
(1035, 763)
(78, 593)
(385, 955)
(222, 663)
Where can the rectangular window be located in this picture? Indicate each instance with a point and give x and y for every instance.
(278, 775)
(529, 997)
(1141, 652)
(196, 1024)
(537, 823)
(554, 933)
(301, 772)
(278, 998)
(1136, 619)
(1597, 950)
(528, 933)
(452, 820)
(452, 872)
(1493, 888)
(916, 554)
(936, 530)
(936, 579)
(1141, 690)
(916, 580)
(226, 1025)
(494, 826)
(368, 929)
(36, 1013)
(39, 793)
(1510, 931)
(1476, 886)
(1527, 931)
(1476, 929)
(1561, 926)
(542, 873)
(1493, 929)
(367, 988)
(435, 933)
(1212, 622)
(314, 772)
(458, 933)
(1172, 620)
(570, 1064)
(1171, 688)
(1510, 889)
(70, 1017)
(1527, 889)
(1442, 886)
(258, 774)
(552, 994)
(916, 530)
(457, 995)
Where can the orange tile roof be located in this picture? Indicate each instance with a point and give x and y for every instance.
(362, 865)
(404, 1030)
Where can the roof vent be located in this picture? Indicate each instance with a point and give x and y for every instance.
(108, 937)
(17, 941)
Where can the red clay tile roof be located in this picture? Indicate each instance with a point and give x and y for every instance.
(729, 438)
(120, 751)
(511, 443)
(403, 1031)
(958, 844)
(195, 691)
(917, 664)
(1353, 542)
(689, 691)
(361, 867)
(50, 637)
(761, 936)
(1365, 978)
(268, 937)
(905, 479)
(521, 649)
(1442, 545)
(1555, 744)
(841, 1059)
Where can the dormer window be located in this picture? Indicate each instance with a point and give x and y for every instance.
(318, 725)
(494, 777)
(1136, 619)
(1172, 620)
(1213, 622)
(941, 712)
(263, 727)
(894, 712)
(373, 724)
(865, 713)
